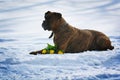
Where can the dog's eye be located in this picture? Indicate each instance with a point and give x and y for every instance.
(47, 17)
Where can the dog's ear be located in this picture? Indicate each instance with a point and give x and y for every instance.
(58, 15)
(47, 12)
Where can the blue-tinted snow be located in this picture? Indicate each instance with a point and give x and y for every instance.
(21, 33)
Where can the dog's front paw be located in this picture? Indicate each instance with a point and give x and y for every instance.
(33, 53)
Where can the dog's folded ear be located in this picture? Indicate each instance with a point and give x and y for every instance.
(47, 12)
(58, 15)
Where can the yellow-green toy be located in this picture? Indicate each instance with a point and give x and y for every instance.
(50, 49)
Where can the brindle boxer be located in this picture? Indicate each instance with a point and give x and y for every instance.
(73, 40)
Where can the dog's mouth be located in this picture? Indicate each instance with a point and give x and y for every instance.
(46, 26)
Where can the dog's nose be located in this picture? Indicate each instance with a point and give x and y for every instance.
(43, 24)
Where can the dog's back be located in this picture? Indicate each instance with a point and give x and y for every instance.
(82, 40)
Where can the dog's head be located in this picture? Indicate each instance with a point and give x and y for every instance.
(51, 20)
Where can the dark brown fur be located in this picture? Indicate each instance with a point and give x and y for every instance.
(72, 40)
(76, 40)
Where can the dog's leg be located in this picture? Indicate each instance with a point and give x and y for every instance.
(62, 45)
(36, 52)
(104, 43)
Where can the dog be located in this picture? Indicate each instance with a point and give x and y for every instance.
(71, 39)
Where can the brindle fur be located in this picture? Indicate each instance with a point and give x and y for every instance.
(71, 39)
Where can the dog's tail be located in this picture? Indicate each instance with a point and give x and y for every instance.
(51, 35)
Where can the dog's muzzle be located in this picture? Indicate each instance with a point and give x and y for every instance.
(46, 26)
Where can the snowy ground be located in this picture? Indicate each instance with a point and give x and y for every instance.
(21, 33)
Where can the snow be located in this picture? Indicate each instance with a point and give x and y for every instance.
(21, 33)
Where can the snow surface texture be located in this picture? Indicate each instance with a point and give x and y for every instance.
(21, 33)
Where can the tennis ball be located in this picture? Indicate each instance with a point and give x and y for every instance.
(44, 51)
(52, 51)
(60, 52)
